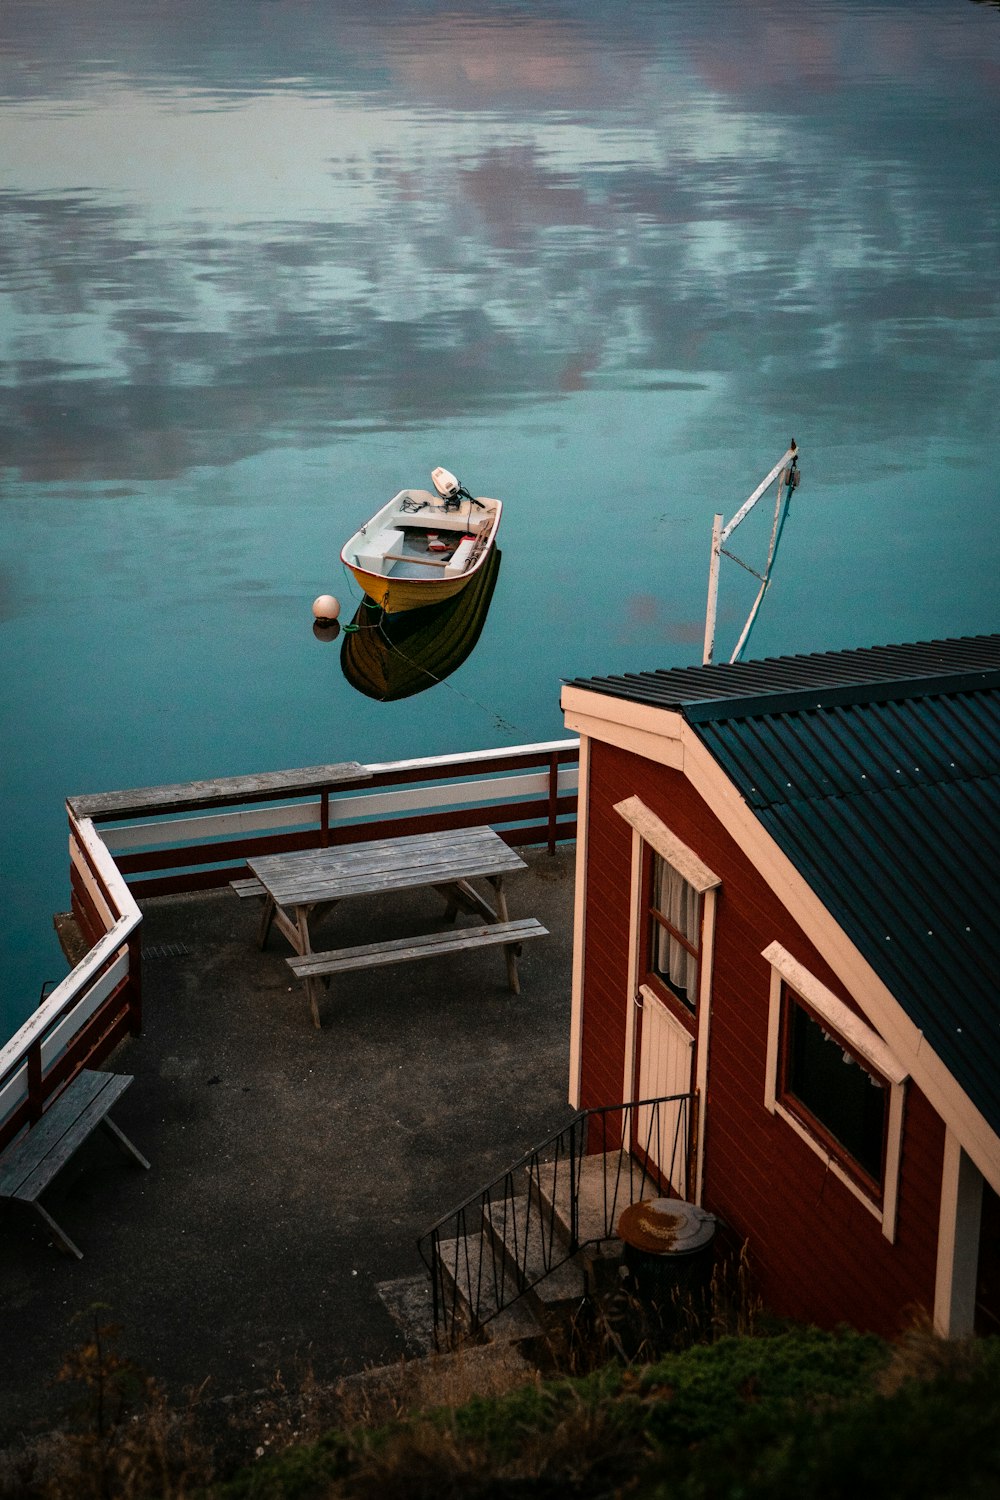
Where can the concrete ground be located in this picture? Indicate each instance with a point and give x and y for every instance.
(292, 1169)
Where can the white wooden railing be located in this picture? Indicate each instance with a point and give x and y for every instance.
(89, 1012)
(154, 840)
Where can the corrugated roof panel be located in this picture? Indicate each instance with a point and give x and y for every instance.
(842, 751)
(825, 672)
(911, 894)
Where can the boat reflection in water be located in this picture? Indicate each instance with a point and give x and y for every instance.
(394, 656)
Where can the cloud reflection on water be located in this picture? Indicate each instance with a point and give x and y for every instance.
(337, 220)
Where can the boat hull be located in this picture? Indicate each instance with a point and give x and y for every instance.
(396, 595)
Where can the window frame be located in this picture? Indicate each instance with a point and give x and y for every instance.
(792, 983)
(804, 1112)
(684, 1005)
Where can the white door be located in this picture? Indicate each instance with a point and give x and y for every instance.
(666, 1051)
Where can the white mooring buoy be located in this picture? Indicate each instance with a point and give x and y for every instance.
(326, 609)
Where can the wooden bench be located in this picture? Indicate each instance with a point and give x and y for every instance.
(246, 888)
(320, 966)
(29, 1165)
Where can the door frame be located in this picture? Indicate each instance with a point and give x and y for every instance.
(648, 829)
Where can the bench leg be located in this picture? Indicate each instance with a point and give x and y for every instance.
(311, 996)
(513, 979)
(123, 1141)
(63, 1239)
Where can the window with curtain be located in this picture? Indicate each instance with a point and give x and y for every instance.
(675, 937)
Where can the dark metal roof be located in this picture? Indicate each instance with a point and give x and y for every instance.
(904, 667)
(878, 774)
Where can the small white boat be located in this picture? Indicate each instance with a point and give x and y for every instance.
(423, 547)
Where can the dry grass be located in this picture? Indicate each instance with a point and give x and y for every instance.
(922, 1355)
(123, 1438)
(435, 1458)
(624, 1327)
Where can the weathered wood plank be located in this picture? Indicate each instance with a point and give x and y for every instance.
(384, 865)
(245, 888)
(182, 796)
(427, 945)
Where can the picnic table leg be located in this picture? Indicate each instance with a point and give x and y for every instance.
(512, 951)
(451, 901)
(62, 1238)
(302, 925)
(461, 893)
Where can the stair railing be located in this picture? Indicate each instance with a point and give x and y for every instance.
(503, 1240)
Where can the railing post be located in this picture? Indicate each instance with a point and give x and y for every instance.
(553, 799)
(35, 1081)
(135, 982)
(574, 1194)
(435, 1295)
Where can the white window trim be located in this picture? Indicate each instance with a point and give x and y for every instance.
(958, 1243)
(867, 1044)
(647, 828)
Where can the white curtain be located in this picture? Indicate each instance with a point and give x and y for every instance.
(680, 904)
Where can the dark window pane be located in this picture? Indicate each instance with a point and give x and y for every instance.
(842, 1095)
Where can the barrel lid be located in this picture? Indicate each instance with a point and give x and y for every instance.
(666, 1226)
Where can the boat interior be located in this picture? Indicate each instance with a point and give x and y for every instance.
(417, 536)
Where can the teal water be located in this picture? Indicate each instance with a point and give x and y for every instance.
(263, 264)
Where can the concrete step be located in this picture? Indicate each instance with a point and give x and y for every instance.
(523, 1234)
(383, 1392)
(476, 1272)
(605, 1191)
(407, 1299)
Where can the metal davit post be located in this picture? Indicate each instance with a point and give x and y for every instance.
(787, 474)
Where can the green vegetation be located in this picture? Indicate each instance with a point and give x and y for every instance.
(796, 1413)
(777, 1416)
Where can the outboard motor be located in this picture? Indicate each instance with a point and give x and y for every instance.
(450, 490)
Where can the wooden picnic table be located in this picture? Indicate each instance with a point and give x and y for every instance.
(298, 886)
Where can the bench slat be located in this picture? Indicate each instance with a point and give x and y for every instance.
(67, 1122)
(250, 887)
(427, 945)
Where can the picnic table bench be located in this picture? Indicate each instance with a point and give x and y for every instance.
(426, 945)
(28, 1166)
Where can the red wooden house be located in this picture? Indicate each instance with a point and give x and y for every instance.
(788, 904)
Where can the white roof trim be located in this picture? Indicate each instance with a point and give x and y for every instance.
(906, 1040)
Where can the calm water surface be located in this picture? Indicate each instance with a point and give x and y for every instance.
(263, 264)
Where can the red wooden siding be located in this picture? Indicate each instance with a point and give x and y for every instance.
(819, 1254)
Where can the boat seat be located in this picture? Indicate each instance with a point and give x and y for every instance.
(372, 550)
(460, 557)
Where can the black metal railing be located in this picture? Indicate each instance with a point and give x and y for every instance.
(504, 1239)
